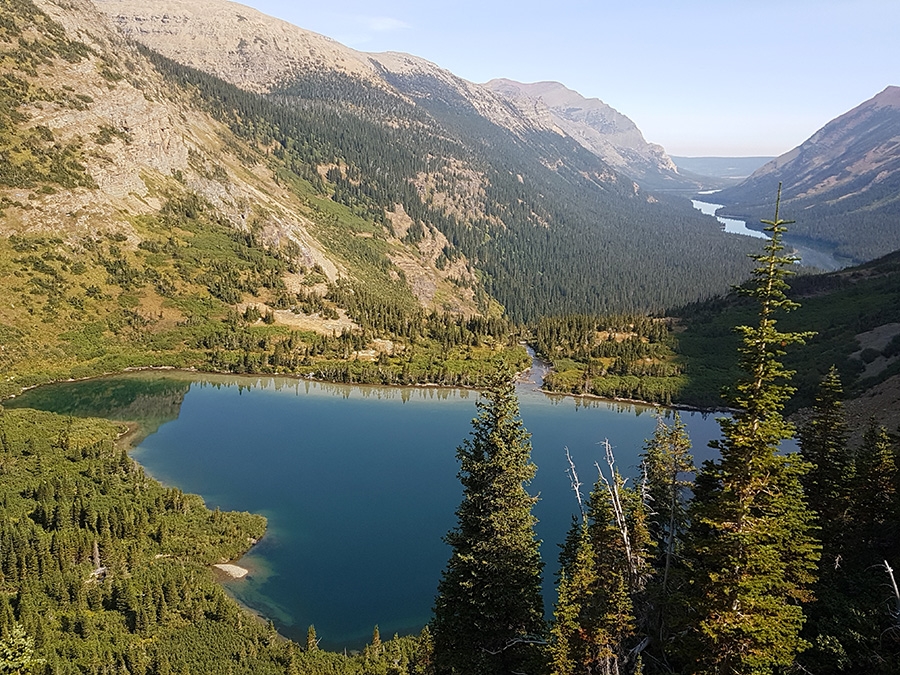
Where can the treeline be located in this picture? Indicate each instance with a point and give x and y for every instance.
(172, 302)
(393, 343)
(613, 356)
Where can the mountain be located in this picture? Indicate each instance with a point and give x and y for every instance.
(842, 185)
(320, 219)
(138, 229)
(548, 225)
(598, 127)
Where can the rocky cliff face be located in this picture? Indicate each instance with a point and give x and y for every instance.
(261, 53)
(234, 42)
(598, 127)
(133, 138)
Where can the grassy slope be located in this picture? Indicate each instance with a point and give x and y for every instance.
(166, 286)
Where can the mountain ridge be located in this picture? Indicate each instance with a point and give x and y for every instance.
(842, 183)
(598, 127)
(485, 171)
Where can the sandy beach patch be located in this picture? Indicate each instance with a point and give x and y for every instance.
(234, 571)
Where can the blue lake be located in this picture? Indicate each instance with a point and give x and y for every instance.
(358, 483)
(807, 254)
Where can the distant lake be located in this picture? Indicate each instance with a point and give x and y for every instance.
(731, 225)
(808, 255)
(358, 483)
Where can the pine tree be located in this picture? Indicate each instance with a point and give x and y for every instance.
(312, 642)
(17, 651)
(603, 575)
(876, 510)
(666, 465)
(578, 641)
(828, 485)
(751, 547)
(488, 616)
(852, 624)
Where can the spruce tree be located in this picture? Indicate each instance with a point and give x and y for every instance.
(488, 616)
(751, 546)
(853, 625)
(828, 485)
(666, 465)
(875, 513)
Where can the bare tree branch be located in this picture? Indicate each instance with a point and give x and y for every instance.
(576, 484)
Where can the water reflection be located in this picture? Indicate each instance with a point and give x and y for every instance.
(358, 482)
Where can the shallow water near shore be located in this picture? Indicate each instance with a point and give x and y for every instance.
(358, 483)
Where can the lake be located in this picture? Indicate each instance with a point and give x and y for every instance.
(731, 225)
(358, 483)
(808, 255)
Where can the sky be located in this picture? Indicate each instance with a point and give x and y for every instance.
(720, 78)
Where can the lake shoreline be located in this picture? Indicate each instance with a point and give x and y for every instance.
(314, 533)
(423, 385)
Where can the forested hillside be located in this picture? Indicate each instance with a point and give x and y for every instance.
(577, 238)
(547, 225)
(855, 314)
(764, 562)
(173, 242)
(104, 570)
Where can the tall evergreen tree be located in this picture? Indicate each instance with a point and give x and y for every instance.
(853, 625)
(751, 546)
(488, 616)
(876, 487)
(828, 485)
(666, 465)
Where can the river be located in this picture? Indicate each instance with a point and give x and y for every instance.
(810, 256)
(358, 483)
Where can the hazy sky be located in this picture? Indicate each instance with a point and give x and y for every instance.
(700, 77)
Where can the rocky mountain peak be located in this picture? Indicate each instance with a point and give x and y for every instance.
(595, 125)
(237, 43)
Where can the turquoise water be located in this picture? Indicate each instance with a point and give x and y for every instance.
(358, 484)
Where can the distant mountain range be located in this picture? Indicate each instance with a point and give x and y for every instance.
(724, 171)
(157, 183)
(377, 168)
(261, 54)
(842, 185)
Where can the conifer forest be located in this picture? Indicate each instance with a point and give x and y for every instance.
(385, 232)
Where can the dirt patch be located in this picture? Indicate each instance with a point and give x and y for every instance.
(316, 323)
(881, 402)
(876, 339)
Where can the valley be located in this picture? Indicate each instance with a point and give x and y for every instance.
(286, 271)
